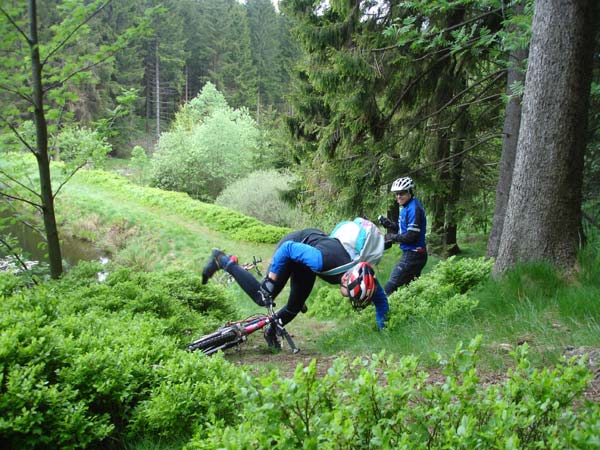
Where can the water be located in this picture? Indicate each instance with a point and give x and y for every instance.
(73, 250)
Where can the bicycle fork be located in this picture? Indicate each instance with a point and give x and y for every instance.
(281, 331)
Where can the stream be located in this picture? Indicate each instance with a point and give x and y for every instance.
(73, 250)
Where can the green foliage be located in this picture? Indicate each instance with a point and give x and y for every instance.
(80, 145)
(328, 303)
(237, 226)
(441, 293)
(81, 360)
(386, 403)
(209, 145)
(191, 394)
(260, 195)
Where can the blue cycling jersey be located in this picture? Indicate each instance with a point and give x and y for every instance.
(412, 218)
(325, 253)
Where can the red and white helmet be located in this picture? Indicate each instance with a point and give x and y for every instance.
(403, 184)
(361, 285)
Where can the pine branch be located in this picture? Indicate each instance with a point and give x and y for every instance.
(444, 30)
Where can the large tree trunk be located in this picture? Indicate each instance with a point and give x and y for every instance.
(544, 207)
(510, 133)
(43, 161)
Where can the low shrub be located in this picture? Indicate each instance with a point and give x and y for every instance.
(259, 195)
(78, 357)
(442, 293)
(192, 392)
(386, 403)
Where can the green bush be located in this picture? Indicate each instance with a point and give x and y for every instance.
(328, 303)
(193, 392)
(78, 357)
(442, 293)
(382, 403)
(438, 295)
(209, 145)
(259, 195)
(80, 145)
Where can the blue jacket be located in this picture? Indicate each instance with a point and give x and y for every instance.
(319, 252)
(412, 220)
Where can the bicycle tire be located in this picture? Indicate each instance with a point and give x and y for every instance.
(216, 341)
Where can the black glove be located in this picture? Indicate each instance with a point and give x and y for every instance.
(266, 288)
(391, 237)
(386, 223)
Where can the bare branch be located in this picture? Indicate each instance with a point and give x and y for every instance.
(82, 69)
(495, 75)
(12, 197)
(70, 35)
(24, 186)
(67, 179)
(15, 255)
(451, 157)
(25, 222)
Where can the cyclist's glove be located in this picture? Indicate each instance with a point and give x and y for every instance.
(387, 223)
(266, 288)
(392, 237)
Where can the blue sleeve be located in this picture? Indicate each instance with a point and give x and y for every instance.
(298, 252)
(382, 307)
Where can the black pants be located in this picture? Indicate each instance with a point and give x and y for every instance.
(408, 268)
(301, 278)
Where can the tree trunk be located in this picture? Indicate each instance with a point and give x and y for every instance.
(157, 88)
(544, 208)
(510, 133)
(43, 161)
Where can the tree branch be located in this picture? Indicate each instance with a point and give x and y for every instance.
(24, 186)
(14, 130)
(444, 30)
(70, 35)
(15, 255)
(17, 93)
(14, 24)
(29, 202)
(67, 179)
(82, 69)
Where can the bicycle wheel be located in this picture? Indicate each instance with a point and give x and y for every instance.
(220, 340)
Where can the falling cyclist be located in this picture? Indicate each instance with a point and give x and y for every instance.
(300, 257)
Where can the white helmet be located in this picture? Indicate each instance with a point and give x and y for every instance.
(402, 184)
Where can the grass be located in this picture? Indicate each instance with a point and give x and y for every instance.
(533, 303)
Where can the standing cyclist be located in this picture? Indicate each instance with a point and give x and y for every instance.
(409, 232)
(300, 257)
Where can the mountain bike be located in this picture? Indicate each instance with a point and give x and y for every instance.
(233, 334)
